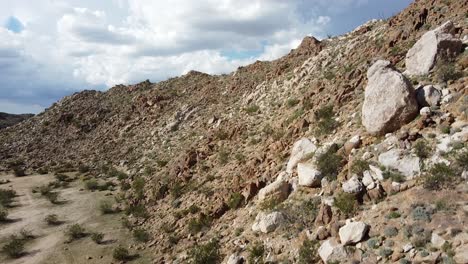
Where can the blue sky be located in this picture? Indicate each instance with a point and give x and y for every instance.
(52, 48)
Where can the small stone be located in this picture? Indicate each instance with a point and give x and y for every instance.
(353, 232)
(425, 111)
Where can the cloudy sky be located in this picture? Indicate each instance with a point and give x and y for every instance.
(52, 48)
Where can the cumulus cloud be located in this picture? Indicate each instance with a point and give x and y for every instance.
(51, 48)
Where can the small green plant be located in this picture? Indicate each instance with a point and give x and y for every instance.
(252, 109)
(373, 243)
(326, 122)
(52, 197)
(97, 237)
(359, 166)
(121, 253)
(346, 203)
(52, 219)
(461, 160)
(235, 201)
(14, 248)
(196, 225)
(393, 215)
(238, 231)
(92, 184)
(394, 176)
(141, 235)
(445, 129)
(291, 102)
(138, 210)
(385, 252)
(308, 252)
(269, 204)
(138, 186)
(256, 252)
(221, 134)
(420, 213)
(390, 231)
(205, 254)
(75, 232)
(106, 207)
(62, 177)
(329, 163)
(6, 197)
(421, 149)
(223, 157)
(177, 190)
(439, 176)
(193, 209)
(3, 214)
(447, 71)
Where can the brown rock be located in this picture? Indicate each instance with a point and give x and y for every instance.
(324, 216)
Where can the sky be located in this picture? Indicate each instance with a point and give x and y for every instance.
(53, 48)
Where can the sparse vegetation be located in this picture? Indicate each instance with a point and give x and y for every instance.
(235, 201)
(439, 176)
(19, 171)
(141, 235)
(308, 252)
(325, 120)
(252, 109)
(138, 186)
(3, 214)
(75, 232)
(92, 184)
(393, 175)
(359, 166)
(121, 253)
(106, 207)
(52, 219)
(346, 203)
(205, 254)
(390, 231)
(14, 248)
(291, 102)
(421, 149)
(196, 225)
(256, 252)
(447, 71)
(138, 210)
(6, 197)
(223, 157)
(329, 163)
(97, 237)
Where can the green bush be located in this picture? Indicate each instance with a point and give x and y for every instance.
(14, 248)
(447, 71)
(235, 201)
(52, 197)
(106, 207)
(359, 166)
(394, 176)
(62, 177)
(420, 213)
(291, 102)
(461, 160)
(421, 149)
(19, 171)
(390, 231)
(256, 252)
(52, 219)
(329, 163)
(193, 209)
(75, 232)
(138, 210)
(252, 109)
(3, 214)
(141, 235)
(92, 184)
(138, 186)
(439, 176)
(308, 252)
(121, 253)
(83, 168)
(223, 157)
(346, 203)
(393, 215)
(205, 254)
(6, 197)
(325, 120)
(97, 237)
(196, 225)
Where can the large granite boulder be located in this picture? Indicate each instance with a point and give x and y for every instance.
(300, 150)
(389, 99)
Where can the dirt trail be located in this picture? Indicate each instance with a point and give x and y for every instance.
(79, 206)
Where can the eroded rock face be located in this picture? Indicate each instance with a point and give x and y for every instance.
(353, 232)
(432, 46)
(300, 149)
(267, 223)
(331, 250)
(308, 174)
(389, 99)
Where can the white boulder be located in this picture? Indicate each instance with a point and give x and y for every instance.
(299, 151)
(352, 232)
(353, 185)
(397, 159)
(437, 241)
(389, 99)
(422, 57)
(267, 223)
(308, 174)
(425, 111)
(279, 189)
(428, 96)
(331, 250)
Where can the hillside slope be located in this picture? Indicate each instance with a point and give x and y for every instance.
(200, 149)
(7, 120)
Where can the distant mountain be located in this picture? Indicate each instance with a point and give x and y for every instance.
(7, 120)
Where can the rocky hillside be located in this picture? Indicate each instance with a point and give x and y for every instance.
(7, 120)
(347, 150)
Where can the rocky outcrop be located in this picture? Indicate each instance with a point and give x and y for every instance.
(299, 151)
(434, 45)
(428, 96)
(353, 185)
(405, 163)
(267, 223)
(389, 99)
(278, 190)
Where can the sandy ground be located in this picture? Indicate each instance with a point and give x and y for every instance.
(79, 206)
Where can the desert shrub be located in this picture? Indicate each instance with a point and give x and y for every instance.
(385, 252)
(3, 214)
(173, 239)
(121, 253)
(62, 177)
(14, 248)
(75, 232)
(196, 225)
(447, 71)
(269, 204)
(97, 237)
(205, 254)
(291, 102)
(141, 235)
(43, 170)
(421, 149)
(393, 215)
(223, 157)
(390, 231)
(420, 240)
(252, 109)
(138, 186)
(83, 168)
(235, 201)
(345, 202)
(461, 160)
(52, 219)
(177, 190)
(92, 184)
(193, 209)
(44, 189)
(52, 197)
(325, 120)
(439, 176)
(221, 134)
(6, 197)
(161, 163)
(138, 210)
(420, 213)
(240, 157)
(394, 176)
(106, 207)
(445, 129)
(308, 252)
(359, 166)
(373, 243)
(256, 252)
(329, 163)
(19, 171)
